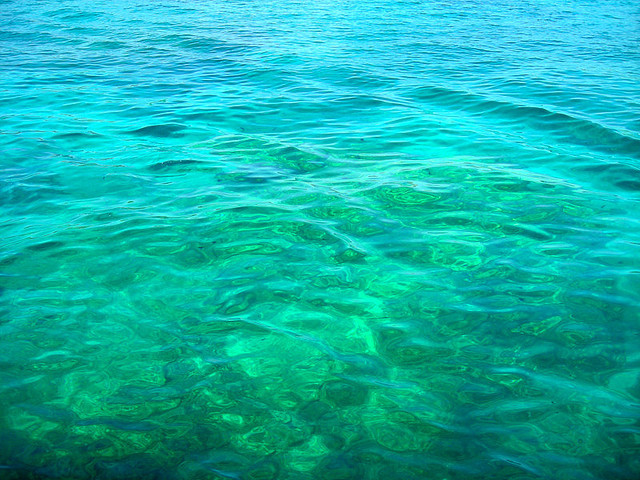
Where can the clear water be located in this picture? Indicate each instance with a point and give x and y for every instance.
(320, 239)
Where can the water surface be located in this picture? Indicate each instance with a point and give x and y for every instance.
(320, 240)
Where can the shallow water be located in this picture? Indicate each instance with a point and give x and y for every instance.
(320, 240)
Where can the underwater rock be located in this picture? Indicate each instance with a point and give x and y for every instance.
(342, 393)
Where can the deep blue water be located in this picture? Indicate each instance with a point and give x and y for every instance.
(320, 240)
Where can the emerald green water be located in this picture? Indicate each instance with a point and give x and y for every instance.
(319, 240)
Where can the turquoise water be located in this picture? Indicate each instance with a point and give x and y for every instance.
(320, 240)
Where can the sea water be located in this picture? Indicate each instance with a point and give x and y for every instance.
(320, 239)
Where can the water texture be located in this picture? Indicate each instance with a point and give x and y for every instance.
(320, 239)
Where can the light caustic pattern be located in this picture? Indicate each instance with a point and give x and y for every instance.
(319, 240)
